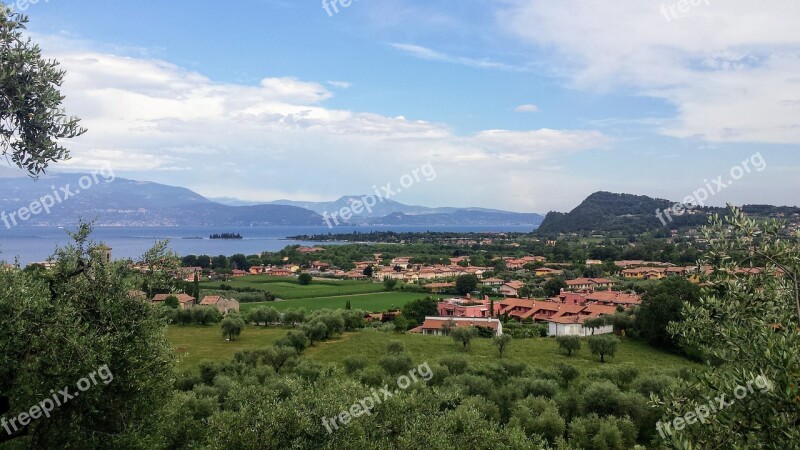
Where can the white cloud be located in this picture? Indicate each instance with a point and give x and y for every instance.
(434, 55)
(526, 109)
(340, 84)
(156, 121)
(729, 68)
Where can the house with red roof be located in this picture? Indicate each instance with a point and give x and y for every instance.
(589, 283)
(185, 301)
(468, 307)
(223, 305)
(441, 326)
(511, 289)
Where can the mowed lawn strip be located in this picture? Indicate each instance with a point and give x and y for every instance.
(378, 302)
(289, 288)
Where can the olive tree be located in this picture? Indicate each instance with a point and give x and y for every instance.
(569, 344)
(502, 342)
(603, 345)
(746, 327)
(463, 335)
(62, 325)
(32, 120)
(232, 326)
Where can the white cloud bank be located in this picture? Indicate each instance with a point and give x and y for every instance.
(164, 123)
(730, 68)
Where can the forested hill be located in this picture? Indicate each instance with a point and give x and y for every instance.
(607, 212)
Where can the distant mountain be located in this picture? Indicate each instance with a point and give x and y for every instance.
(461, 217)
(381, 209)
(390, 212)
(136, 203)
(609, 212)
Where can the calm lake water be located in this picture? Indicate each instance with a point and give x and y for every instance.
(35, 244)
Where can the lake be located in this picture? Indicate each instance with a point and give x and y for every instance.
(36, 244)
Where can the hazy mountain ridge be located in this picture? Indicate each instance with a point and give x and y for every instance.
(124, 202)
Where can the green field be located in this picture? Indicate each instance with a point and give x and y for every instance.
(539, 352)
(377, 302)
(195, 343)
(288, 288)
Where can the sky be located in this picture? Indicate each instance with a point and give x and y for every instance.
(522, 105)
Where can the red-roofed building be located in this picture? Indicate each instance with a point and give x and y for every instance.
(511, 289)
(589, 283)
(441, 326)
(492, 282)
(223, 305)
(467, 307)
(184, 300)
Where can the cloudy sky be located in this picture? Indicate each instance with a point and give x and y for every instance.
(525, 105)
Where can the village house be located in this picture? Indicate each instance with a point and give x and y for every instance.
(258, 270)
(475, 270)
(319, 265)
(185, 301)
(279, 272)
(438, 288)
(614, 298)
(223, 305)
(402, 262)
(589, 283)
(355, 275)
(468, 307)
(441, 326)
(547, 272)
(562, 318)
(188, 273)
(388, 273)
(573, 326)
(492, 282)
(627, 264)
(512, 288)
(514, 263)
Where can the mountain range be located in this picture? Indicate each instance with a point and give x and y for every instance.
(123, 202)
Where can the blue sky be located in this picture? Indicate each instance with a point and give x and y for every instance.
(519, 104)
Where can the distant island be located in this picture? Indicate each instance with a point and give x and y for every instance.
(226, 236)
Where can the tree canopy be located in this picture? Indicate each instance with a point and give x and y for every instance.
(32, 120)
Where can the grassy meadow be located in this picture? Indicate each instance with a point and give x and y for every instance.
(288, 288)
(196, 343)
(377, 302)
